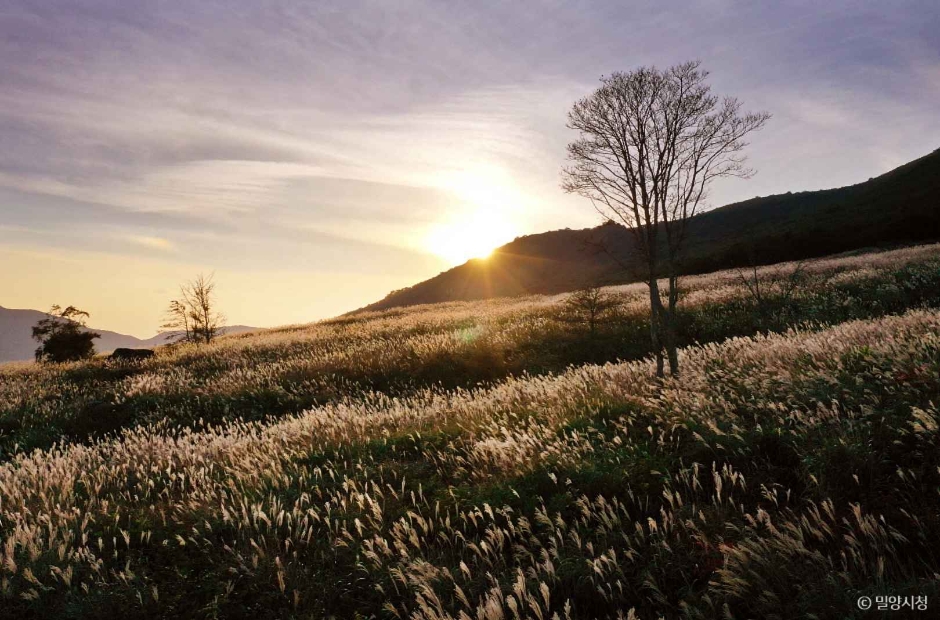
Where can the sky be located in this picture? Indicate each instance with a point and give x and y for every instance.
(316, 155)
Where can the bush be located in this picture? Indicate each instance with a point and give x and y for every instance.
(62, 336)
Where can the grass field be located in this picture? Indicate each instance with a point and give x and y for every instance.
(489, 460)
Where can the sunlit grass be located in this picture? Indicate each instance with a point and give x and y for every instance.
(781, 475)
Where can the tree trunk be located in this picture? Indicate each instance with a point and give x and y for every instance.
(670, 327)
(670, 338)
(656, 335)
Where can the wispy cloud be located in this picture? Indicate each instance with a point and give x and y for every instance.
(156, 243)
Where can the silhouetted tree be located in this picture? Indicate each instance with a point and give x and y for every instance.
(62, 336)
(589, 306)
(193, 316)
(177, 321)
(650, 143)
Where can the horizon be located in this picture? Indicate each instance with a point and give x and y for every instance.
(316, 159)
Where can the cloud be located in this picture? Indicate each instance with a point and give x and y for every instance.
(156, 243)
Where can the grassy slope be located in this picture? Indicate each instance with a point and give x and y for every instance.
(900, 206)
(781, 476)
(277, 373)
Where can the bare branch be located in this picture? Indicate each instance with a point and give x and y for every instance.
(649, 144)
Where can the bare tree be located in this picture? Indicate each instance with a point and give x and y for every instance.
(193, 317)
(590, 306)
(177, 321)
(650, 143)
(206, 320)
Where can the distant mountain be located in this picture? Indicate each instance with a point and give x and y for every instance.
(901, 206)
(16, 343)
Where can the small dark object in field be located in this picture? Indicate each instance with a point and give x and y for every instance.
(132, 355)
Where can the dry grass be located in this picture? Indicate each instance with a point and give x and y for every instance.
(780, 477)
(398, 352)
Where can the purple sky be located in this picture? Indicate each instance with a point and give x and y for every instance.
(316, 155)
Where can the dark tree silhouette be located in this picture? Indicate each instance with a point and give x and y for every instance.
(589, 306)
(650, 143)
(62, 336)
(177, 321)
(193, 317)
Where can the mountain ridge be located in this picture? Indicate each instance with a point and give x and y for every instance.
(897, 207)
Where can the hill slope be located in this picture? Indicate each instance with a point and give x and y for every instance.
(16, 343)
(897, 207)
(357, 467)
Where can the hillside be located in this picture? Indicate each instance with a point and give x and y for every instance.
(900, 206)
(287, 370)
(17, 344)
(475, 459)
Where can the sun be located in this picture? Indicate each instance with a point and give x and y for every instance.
(474, 235)
(486, 199)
